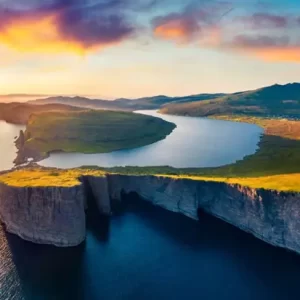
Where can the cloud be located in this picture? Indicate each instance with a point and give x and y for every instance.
(264, 21)
(193, 24)
(65, 25)
(265, 35)
(260, 41)
(269, 48)
(179, 27)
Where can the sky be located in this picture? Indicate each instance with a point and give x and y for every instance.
(135, 48)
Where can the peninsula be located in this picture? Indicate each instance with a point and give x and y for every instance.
(88, 131)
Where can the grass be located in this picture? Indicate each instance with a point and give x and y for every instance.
(283, 183)
(276, 100)
(275, 166)
(42, 177)
(93, 131)
(19, 113)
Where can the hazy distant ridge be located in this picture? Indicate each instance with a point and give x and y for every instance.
(155, 102)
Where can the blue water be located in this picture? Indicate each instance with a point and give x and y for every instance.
(196, 142)
(149, 253)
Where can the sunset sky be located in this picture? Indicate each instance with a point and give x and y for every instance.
(134, 48)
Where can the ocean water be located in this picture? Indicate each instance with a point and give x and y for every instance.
(146, 252)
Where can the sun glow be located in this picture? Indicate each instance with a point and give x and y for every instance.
(39, 34)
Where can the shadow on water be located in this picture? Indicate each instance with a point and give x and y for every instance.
(96, 223)
(48, 272)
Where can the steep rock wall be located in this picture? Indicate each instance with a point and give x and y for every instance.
(57, 215)
(48, 215)
(269, 215)
(100, 192)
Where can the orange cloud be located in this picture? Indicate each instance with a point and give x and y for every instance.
(37, 34)
(291, 54)
(62, 27)
(173, 30)
(41, 34)
(269, 48)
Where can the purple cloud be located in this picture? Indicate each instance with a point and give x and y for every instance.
(260, 41)
(264, 21)
(88, 23)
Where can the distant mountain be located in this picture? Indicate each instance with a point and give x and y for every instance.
(155, 102)
(19, 113)
(20, 97)
(276, 100)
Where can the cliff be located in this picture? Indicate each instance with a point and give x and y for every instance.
(26, 153)
(48, 215)
(56, 215)
(269, 215)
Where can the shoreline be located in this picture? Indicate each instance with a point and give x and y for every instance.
(26, 193)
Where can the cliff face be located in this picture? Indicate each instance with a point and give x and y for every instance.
(269, 215)
(56, 215)
(50, 215)
(98, 187)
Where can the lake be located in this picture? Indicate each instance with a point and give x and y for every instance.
(8, 149)
(196, 142)
(146, 253)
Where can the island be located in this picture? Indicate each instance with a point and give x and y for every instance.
(88, 131)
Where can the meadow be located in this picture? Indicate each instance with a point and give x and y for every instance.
(93, 131)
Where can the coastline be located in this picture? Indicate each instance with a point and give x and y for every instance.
(31, 192)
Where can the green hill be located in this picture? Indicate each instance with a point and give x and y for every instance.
(123, 104)
(19, 113)
(273, 101)
(88, 132)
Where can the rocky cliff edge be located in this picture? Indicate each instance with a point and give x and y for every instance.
(56, 215)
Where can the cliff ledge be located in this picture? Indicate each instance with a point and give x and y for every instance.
(56, 214)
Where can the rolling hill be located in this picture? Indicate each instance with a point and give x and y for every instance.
(273, 101)
(88, 131)
(19, 113)
(155, 102)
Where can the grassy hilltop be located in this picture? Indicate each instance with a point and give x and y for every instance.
(92, 131)
(19, 113)
(272, 101)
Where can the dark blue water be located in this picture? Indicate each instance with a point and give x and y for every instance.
(149, 253)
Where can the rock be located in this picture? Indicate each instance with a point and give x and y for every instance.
(57, 215)
(99, 189)
(48, 215)
(269, 215)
